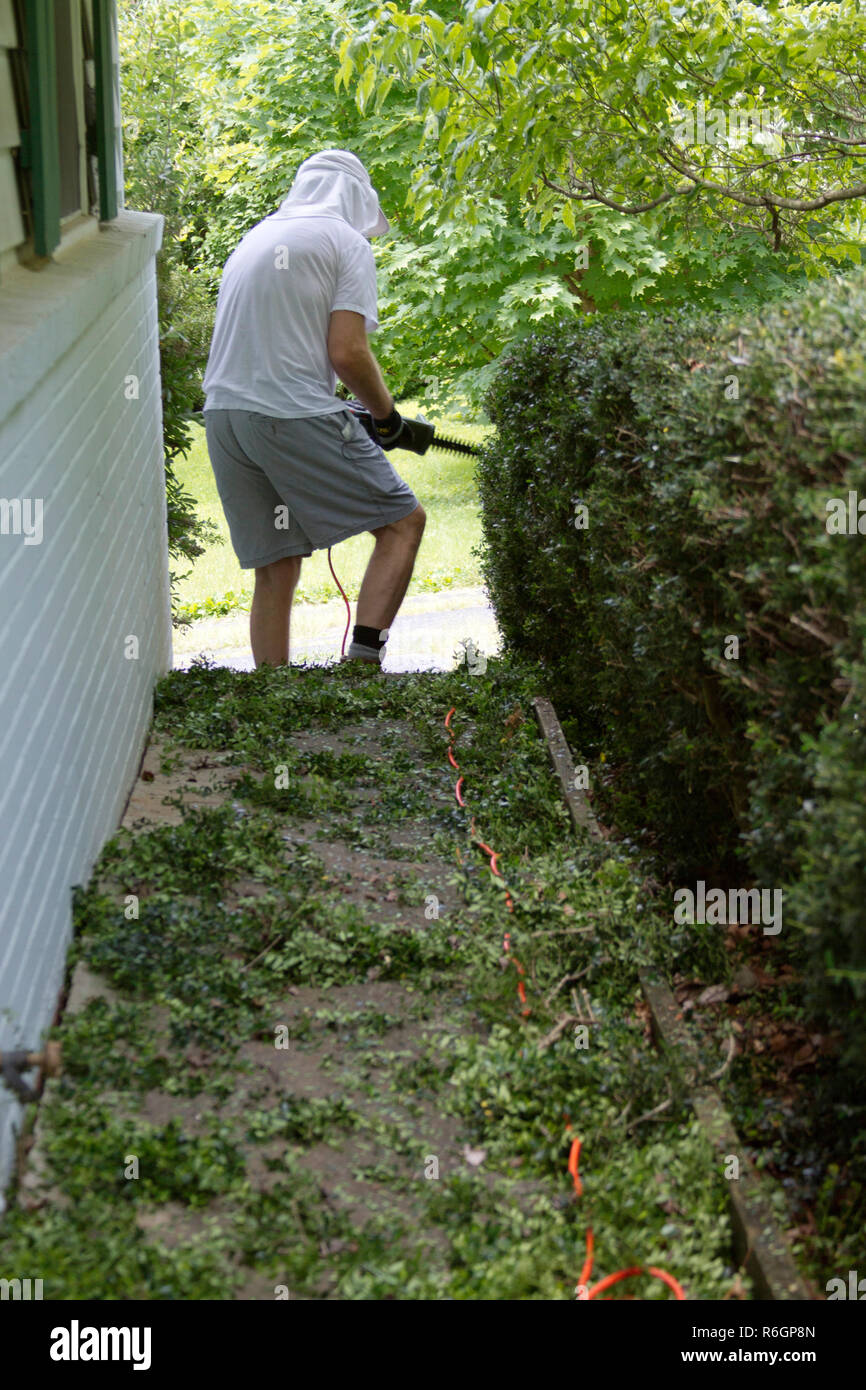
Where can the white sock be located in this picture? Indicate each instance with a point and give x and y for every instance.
(359, 651)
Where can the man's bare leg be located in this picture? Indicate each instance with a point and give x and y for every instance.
(389, 570)
(272, 604)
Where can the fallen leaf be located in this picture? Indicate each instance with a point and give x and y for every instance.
(745, 980)
(474, 1156)
(713, 994)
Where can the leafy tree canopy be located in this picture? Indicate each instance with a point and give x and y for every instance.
(751, 115)
(533, 158)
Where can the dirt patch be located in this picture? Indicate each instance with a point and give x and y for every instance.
(200, 777)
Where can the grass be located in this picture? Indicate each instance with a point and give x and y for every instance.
(444, 484)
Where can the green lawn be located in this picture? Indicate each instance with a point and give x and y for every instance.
(444, 484)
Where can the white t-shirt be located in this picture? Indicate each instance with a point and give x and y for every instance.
(278, 290)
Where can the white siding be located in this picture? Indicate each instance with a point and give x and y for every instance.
(73, 709)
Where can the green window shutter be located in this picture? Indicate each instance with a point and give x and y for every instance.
(43, 149)
(106, 132)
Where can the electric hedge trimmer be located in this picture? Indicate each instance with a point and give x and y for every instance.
(416, 435)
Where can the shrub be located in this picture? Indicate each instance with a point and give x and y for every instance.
(705, 449)
(183, 300)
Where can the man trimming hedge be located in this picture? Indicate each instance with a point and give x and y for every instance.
(295, 469)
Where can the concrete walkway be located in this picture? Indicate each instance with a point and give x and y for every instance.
(426, 635)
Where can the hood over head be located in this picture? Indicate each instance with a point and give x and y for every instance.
(335, 182)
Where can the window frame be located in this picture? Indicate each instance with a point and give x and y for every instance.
(40, 146)
(104, 26)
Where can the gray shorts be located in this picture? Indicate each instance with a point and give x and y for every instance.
(289, 487)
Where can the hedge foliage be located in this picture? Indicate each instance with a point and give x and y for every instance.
(183, 355)
(705, 449)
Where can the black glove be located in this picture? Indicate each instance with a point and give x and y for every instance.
(395, 432)
(391, 431)
(414, 435)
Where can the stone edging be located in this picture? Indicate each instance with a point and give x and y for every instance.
(759, 1242)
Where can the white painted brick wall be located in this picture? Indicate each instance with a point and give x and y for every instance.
(73, 710)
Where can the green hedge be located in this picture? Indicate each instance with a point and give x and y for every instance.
(183, 300)
(706, 501)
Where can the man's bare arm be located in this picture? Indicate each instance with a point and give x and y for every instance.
(355, 365)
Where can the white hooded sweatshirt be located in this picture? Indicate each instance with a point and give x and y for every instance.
(282, 283)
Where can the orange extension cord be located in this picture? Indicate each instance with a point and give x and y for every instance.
(584, 1292)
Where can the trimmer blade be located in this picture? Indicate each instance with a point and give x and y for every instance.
(454, 446)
